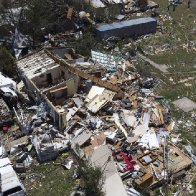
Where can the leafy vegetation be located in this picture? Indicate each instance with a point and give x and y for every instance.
(7, 63)
(36, 16)
(91, 178)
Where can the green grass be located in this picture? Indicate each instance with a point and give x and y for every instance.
(179, 60)
(55, 181)
(178, 33)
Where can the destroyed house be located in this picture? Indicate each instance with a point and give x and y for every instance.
(129, 138)
(49, 82)
(103, 9)
(51, 78)
(128, 28)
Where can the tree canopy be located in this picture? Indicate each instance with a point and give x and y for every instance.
(7, 63)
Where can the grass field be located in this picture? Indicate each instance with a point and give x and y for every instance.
(53, 180)
(179, 33)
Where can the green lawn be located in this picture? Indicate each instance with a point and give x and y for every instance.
(179, 34)
(54, 181)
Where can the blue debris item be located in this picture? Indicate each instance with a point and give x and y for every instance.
(147, 159)
(128, 28)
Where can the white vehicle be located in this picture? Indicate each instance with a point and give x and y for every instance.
(10, 184)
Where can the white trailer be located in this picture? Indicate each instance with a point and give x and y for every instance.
(10, 185)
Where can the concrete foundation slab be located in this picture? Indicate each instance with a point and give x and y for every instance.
(185, 104)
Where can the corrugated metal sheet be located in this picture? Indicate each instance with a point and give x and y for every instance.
(128, 28)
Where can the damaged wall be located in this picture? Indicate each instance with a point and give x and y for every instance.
(85, 75)
(50, 77)
(31, 89)
(65, 53)
(57, 116)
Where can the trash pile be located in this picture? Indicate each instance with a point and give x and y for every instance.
(129, 6)
(129, 136)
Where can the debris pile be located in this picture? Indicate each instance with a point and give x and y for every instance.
(129, 135)
(128, 6)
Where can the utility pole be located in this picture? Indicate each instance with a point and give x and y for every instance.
(165, 165)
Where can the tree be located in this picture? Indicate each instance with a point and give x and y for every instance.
(31, 17)
(47, 14)
(85, 43)
(7, 63)
(91, 178)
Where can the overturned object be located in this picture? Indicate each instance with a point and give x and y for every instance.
(48, 148)
(44, 153)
